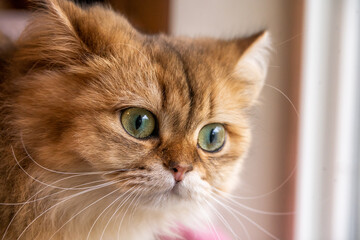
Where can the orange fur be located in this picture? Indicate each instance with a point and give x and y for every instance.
(63, 86)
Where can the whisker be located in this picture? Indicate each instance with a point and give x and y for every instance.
(64, 200)
(93, 225)
(222, 219)
(46, 184)
(69, 220)
(52, 194)
(288, 40)
(230, 200)
(286, 97)
(112, 216)
(238, 220)
(248, 219)
(126, 210)
(66, 173)
(17, 212)
(269, 192)
(13, 167)
(132, 213)
(210, 224)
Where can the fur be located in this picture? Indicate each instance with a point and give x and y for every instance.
(68, 169)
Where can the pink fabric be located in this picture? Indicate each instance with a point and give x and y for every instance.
(208, 234)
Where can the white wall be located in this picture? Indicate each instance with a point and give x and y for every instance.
(268, 163)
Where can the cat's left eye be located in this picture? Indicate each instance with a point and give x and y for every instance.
(138, 122)
(212, 137)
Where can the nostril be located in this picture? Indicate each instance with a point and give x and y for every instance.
(179, 171)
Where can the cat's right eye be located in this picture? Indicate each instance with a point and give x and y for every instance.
(138, 122)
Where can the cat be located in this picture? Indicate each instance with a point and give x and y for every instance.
(108, 133)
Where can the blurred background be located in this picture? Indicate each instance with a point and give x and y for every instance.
(306, 163)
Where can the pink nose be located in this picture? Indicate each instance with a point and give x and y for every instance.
(179, 172)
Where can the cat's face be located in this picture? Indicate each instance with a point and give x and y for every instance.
(158, 115)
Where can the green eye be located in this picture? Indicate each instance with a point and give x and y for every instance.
(138, 122)
(212, 137)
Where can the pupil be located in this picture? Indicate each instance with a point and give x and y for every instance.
(138, 122)
(212, 135)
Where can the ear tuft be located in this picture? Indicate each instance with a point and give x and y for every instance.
(253, 63)
(255, 59)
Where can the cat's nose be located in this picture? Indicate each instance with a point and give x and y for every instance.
(180, 170)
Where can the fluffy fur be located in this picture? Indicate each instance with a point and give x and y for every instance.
(68, 169)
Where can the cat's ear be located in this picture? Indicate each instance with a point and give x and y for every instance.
(61, 32)
(252, 65)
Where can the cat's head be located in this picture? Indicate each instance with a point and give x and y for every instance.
(158, 115)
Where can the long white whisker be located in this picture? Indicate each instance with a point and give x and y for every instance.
(267, 193)
(82, 210)
(46, 184)
(13, 167)
(122, 218)
(238, 220)
(250, 220)
(98, 217)
(66, 173)
(64, 200)
(52, 194)
(288, 40)
(285, 96)
(132, 213)
(230, 200)
(222, 219)
(112, 216)
(28, 201)
(209, 223)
